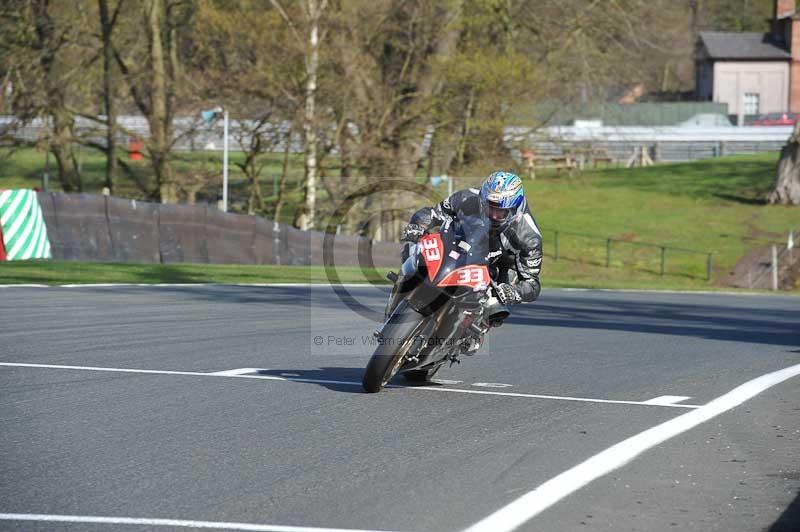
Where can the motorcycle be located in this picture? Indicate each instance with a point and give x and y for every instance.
(443, 302)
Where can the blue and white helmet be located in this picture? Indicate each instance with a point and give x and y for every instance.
(503, 198)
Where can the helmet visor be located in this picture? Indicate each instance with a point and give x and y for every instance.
(497, 214)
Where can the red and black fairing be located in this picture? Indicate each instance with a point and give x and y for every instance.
(446, 278)
(449, 264)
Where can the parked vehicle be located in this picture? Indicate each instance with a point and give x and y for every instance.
(775, 119)
(442, 303)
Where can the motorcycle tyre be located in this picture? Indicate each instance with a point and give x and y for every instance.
(387, 358)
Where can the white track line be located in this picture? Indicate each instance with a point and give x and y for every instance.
(235, 374)
(534, 502)
(666, 400)
(240, 371)
(537, 396)
(219, 525)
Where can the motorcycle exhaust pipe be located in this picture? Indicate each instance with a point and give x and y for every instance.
(495, 311)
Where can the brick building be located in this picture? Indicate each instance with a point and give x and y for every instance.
(754, 73)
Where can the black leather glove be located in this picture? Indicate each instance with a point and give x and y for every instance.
(412, 232)
(507, 294)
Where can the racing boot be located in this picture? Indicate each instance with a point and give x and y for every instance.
(471, 345)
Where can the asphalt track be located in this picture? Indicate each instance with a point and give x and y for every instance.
(293, 444)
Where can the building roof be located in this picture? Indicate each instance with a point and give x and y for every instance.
(745, 46)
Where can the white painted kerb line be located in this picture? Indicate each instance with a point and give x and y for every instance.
(240, 371)
(667, 400)
(245, 373)
(219, 525)
(534, 502)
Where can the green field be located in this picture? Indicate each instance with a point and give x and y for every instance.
(24, 168)
(561, 274)
(713, 206)
(67, 272)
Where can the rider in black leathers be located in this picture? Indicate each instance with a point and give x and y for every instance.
(516, 242)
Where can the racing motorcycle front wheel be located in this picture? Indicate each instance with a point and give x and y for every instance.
(397, 338)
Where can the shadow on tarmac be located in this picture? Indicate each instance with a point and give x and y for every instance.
(712, 322)
(760, 321)
(789, 521)
(338, 379)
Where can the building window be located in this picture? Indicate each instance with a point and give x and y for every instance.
(752, 101)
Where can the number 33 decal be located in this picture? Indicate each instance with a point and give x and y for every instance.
(430, 248)
(470, 275)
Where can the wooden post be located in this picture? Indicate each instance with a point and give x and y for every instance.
(556, 255)
(646, 160)
(608, 252)
(663, 254)
(708, 268)
(774, 267)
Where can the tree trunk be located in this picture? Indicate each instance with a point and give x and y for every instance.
(61, 140)
(306, 219)
(106, 26)
(160, 127)
(284, 171)
(255, 201)
(466, 126)
(68, 174)
(167, 189)
(787, 181)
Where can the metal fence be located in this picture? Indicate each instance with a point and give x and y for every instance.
(87, 227)
(619, 152)
(618, 252)
(614, 114)
(776, 268)
(667, 144)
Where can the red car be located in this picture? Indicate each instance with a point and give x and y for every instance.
(775, 119)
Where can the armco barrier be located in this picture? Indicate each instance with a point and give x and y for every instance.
(264, 238)
(99, 228)
(386, 254)
(296, 248)
(182, 233)
(133, 226)
(82, 228)
(229, 239)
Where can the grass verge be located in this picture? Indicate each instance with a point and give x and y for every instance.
(560, 274)
(712, 206)
(67, 272)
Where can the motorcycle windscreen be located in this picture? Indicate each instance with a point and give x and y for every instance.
(466, 243)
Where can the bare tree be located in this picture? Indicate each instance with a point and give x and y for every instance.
(153, 85)
(256, 137)
(311, 34)
(237, 54)
(40, 60)
(108, 21)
